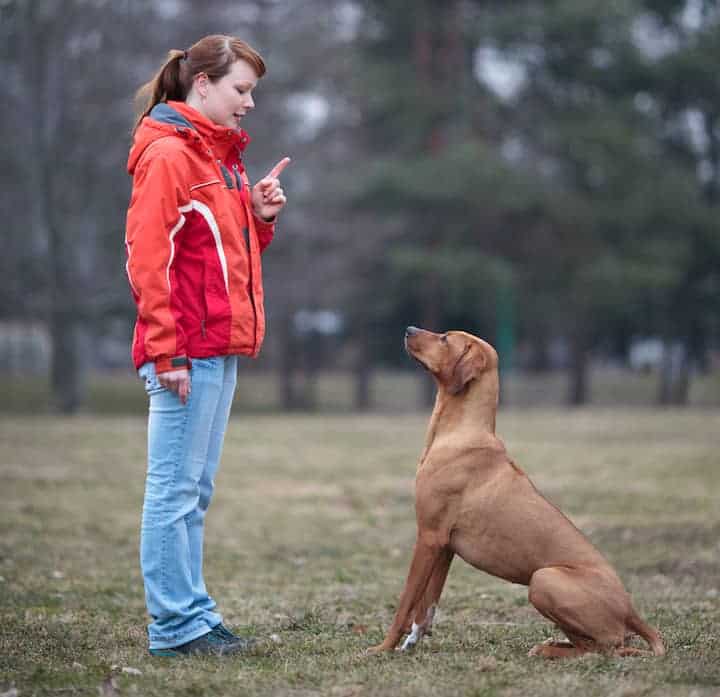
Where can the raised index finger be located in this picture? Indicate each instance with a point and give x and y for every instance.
(279, 167)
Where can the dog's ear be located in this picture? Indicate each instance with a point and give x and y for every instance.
(470, 364)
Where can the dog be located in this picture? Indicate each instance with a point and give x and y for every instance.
(473, 501)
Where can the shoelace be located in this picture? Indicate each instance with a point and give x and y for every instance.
(223, 632)
(214, 638)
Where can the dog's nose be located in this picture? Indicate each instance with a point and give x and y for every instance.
(411, 330)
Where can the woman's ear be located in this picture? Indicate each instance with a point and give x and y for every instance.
(201, 84)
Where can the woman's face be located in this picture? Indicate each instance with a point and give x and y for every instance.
(228, 99)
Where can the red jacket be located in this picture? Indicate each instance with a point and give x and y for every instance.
(193, 243)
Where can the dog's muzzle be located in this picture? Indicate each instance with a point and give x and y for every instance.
(409, 333)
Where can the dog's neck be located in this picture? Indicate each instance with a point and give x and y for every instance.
(470, 414)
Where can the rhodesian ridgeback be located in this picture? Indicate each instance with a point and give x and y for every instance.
(472, 500)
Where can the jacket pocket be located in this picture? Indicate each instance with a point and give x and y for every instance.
(202, 185)
(217, 310)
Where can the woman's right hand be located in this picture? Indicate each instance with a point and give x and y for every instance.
(177, 381)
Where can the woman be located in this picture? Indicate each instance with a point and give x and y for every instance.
(195, 231)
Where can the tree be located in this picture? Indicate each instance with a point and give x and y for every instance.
(428, 171)
(622, 214)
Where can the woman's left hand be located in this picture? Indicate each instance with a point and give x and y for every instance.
(268, 198)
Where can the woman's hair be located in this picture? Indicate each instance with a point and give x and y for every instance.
(212, 55)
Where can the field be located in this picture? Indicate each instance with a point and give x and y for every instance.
(307, 547)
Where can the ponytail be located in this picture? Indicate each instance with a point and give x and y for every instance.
(212, 55)
(167, 84)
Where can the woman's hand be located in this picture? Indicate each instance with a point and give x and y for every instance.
(177, 381)
(268, 198)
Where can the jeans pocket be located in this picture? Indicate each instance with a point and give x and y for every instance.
(149, 377)
(211, 363)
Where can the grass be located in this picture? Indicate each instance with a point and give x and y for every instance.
(391, 391)
(308, 541)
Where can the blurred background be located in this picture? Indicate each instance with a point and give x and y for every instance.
(545, 174)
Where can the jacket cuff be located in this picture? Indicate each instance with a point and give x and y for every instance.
(262, 223)
(265, 230)
(163, 365)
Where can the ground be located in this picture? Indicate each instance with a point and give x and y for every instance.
(308, 542)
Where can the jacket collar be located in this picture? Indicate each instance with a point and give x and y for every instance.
(220, 138)
(179, 119)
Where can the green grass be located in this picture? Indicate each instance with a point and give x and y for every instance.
(309, 538)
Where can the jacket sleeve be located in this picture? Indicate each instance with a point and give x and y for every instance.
(265, 231)
(160, 199)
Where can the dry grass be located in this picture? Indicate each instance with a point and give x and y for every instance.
(309, 539)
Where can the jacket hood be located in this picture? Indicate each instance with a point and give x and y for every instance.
(179, 120)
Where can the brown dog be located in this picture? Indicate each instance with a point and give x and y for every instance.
(472, 500)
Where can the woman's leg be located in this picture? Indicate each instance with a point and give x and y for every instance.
(178, 442)
(196, 520)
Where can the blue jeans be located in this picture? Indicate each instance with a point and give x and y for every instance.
(184, 446)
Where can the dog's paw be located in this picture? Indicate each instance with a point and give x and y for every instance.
(378, 650)
(409, 644)
(541, 649)
(413, 639)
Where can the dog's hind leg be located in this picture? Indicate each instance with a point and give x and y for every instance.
(557, 649)
(588, 605)
(426, 556)
(650, 634)
(424, 614)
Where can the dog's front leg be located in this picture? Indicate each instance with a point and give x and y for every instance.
(425, 557)
(424, 613)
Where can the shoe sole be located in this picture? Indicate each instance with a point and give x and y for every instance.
(172, 653)
(165, 653)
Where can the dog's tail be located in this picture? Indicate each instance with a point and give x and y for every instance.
(651, 635)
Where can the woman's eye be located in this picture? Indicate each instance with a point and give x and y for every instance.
(444, 338)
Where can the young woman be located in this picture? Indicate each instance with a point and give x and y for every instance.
(195, 232)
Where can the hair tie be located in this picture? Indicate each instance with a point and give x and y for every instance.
(185, 55)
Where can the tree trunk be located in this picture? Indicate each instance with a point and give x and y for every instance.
(674, 385)
(45, 105)
(579, 363)
(539, 352)
(288, 365)
(66, 374)
(311, 355)
(362, 374)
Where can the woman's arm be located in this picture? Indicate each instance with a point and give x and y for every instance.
(159, 202)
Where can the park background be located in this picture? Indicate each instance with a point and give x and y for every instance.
(545, 174)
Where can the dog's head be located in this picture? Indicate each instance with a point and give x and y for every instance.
(455, 358)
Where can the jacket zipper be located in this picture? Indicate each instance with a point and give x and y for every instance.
(226, 174)
(238, 179)
(251, 290)
(248, 245)
(246, 234)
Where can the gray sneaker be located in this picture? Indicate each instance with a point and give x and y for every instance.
(209, 644)
(221, 631)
